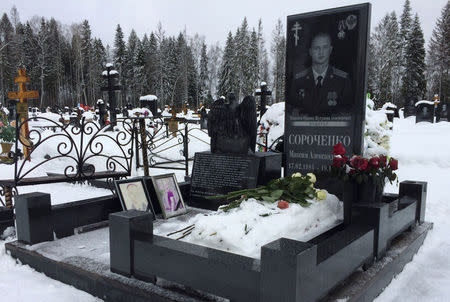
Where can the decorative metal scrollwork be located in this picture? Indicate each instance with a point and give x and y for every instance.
(82, 148)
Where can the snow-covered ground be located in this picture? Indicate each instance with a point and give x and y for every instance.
(422, 150)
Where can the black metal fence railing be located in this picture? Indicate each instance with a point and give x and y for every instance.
(81, 152)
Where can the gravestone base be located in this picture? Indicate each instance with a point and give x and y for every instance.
(216, 174)
(92, 273)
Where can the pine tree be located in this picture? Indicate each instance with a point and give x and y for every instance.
(263, 60)
(203, 75)
(98, 59)
(405, 29)
(43, 59)
(214, 55)
(7, 58)
(384, 61)
(227, 77)
(128, 68)
(414, 83)
(241, 61)
(151, 65)
(119, 60)
(278, 50)
(251, 72)
(438, 60)
(86, 55)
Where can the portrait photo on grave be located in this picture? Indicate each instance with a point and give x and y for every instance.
(325, 85)
(321, 67)
(169, 195)
(134, 195)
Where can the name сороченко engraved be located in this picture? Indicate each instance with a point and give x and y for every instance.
(319, 140)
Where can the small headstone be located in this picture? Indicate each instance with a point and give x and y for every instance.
(442, 113)
(424, 111)
(203, 118)
(410, 109)
(150, 102)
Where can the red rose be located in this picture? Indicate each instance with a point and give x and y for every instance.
(338, 149)
(363, 164)
(359, 163)
(374, 162)
(354, 161)
(339, 161)
(382, 161)
(393, 163)
(283, 204)
(352, 171)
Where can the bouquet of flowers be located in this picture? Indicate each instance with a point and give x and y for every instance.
(7, 131)
(296, 188)
(361, 169)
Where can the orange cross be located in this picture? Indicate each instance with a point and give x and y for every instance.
(22, 108)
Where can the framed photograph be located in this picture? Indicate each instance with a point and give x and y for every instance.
(133, 195)
(169, 195)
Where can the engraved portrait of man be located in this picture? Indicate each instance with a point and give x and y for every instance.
(322, 88)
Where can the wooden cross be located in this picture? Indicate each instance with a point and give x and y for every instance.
(22, 108)
(185, 108)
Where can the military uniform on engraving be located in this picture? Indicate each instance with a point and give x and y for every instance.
(323, 94)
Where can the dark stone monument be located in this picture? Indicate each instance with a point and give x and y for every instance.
(232, 163)
(150, 102)
(101, 112)
(409, 109)
(325, 89)
(203, 118)
(424, 111)
(391, 112)
(111, 76)
(33, 212)
(442, 113)
(263, 92)
(232, 126)
(124, 112)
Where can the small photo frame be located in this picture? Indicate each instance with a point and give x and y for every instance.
(133, 195)
(169, 195)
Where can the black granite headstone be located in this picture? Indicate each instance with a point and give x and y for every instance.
(424, 112)
(409, 109)
(151, 104)
(325, 88)
(442, 113)
(33, 217)
(217, 174)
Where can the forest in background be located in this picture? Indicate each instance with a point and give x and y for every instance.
(65, 62)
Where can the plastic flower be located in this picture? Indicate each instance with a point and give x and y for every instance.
(321, 195)
(298, 174)
(312, 177)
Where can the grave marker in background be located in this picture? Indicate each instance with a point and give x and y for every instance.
(442, 113)
(111, 76)
(424, 111)
(22, 108)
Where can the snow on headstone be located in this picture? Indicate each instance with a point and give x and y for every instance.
(149, 97)
(109, 65)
